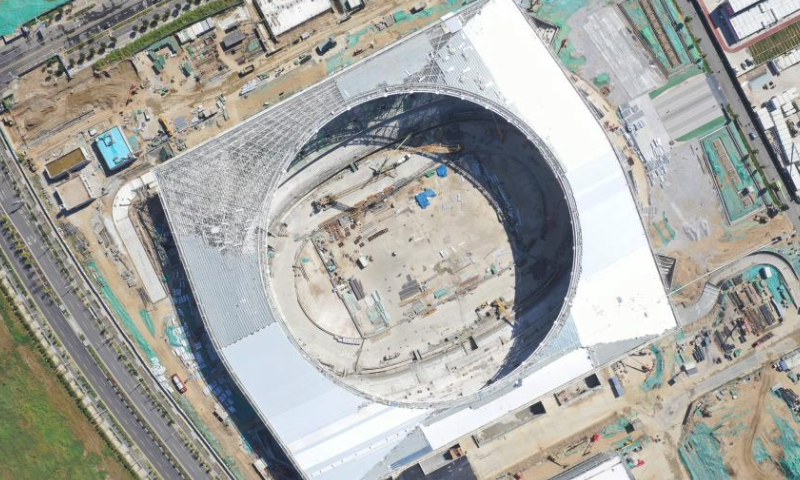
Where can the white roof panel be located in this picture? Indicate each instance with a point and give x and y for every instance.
(284, 15)
(761, 16)
(318, 420)
(548, 378)
(611, 469)
(617, 262)
(739, 5)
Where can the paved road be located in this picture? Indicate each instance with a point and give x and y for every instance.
(726, 80)
(24, 54)
(676, 407)
(9, 203)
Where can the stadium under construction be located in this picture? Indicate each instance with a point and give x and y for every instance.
(424, 242)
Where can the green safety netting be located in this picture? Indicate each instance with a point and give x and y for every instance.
(700, 453)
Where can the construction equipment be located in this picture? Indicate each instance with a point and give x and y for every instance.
(643, 369)
(501, 309)
(247, 71)
(592, 440)
(179, 385)
(437, 148)
(553, 460)
(377, 172)
(562, 46)
(386, 168)
(166, 126)
(703, 410)
(328, 201)
(131, 92)
(302, 59)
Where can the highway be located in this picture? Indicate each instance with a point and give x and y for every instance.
(725, 78)
(9, 204)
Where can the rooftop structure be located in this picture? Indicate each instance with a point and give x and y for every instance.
(125, 196)
(736, 6)
(782, 62)
(75, 193)
(790, 361)
(193, 31)
(221, 199)
(232, 39)
(283, 15)
(353, 5)
(115, 152)
(69, 162)
(779, 116)
(759, 16)
(233, 18)
(608, 466)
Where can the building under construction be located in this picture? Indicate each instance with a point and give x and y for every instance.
(579, 288)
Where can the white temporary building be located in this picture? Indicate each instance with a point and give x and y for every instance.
(284, 15)
(195, 30)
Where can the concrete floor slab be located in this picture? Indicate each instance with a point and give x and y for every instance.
(629, 66)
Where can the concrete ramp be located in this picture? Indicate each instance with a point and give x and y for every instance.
(704, 306)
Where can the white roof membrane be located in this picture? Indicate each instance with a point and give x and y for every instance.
(329, 431)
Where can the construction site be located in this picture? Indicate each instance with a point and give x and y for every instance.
(745, 429)
(380, 270)
(448, 248)
(712, 401)
(165, 99)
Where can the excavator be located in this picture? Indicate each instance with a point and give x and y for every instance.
(501, 309)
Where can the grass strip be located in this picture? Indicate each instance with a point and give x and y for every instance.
(45, 436)
(676, 80)
(704, 130)
(189, 18)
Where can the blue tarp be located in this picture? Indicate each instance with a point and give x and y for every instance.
(616, 387)
(442, 171)
(423, 198)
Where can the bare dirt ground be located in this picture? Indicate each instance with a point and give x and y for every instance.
(743, 414)
(47, 104)
(53, 109)
(538, 449)
(724, 245)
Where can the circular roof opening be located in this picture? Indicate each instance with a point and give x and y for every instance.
(425, 249)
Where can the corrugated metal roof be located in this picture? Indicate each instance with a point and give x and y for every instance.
(761, 16)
